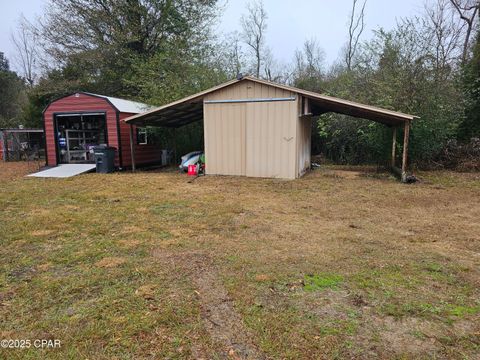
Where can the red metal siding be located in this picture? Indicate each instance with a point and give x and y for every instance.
(79, 103)
(144, 154)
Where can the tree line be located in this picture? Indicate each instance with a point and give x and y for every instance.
(157, 51)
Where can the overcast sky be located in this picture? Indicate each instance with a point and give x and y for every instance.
(289, 22)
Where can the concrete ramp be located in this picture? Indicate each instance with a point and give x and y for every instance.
(64, 170)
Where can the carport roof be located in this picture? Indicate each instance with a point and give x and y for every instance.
(190, 109)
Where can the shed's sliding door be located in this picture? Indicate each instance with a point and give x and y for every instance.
(224, 129)
(270, 139)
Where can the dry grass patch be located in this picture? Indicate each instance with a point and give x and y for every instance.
(129, 243)
(333, 265)
(132, 229)
(44, 267)
(110, 262)
(41, 232)
(15, 170)
(146, 291)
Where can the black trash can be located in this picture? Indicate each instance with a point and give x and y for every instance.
(104, 158)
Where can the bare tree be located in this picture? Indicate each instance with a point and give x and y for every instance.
(355, 30)
(468, 11)
(444, 34)
(274, 70)
(234, 57)
(310, 60)
(254, 25)
(26, 42)
(308, 67)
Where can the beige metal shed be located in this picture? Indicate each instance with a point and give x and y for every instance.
(257, 128)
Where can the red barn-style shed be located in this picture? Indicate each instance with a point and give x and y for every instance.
(75, 123)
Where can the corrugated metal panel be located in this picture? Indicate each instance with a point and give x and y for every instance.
(271, 139)
(126, 106)
(86, 103)
(304, 139)
(248, 90)
(248, 100)
(78, 103)
(255, 139)
(144, 154)
(225, 138)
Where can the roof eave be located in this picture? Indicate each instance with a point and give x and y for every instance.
(376, 112)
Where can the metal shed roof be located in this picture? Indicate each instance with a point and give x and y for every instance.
(190, 109)
(125, 106)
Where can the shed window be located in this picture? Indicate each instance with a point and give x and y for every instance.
(142, 138)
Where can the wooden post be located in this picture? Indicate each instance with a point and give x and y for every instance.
(394, 146)
(406, 135)
(132, 148)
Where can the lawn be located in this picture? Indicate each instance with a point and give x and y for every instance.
(338, 264)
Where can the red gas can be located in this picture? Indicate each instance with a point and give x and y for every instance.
(192, 170)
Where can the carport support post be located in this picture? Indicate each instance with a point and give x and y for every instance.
(406, 135)
(175, 144)
(394, 146)
(132, 148)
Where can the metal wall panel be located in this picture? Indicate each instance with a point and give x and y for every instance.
(79, 103)
(144, 154)
(271, 139)
(224, 139)
(304, 144)
(257, 139)
(248, 90)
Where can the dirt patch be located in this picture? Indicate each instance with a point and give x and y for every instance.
(110, 262)
(23, 273)
(220, 319)
(407, 337)
(344, 174)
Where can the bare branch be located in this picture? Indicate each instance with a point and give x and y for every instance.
(468, 13)
(355, 30)
(25, 41)
(254, 25)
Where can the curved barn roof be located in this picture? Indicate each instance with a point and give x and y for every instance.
(125, 106)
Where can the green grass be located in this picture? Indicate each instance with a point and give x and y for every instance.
(461, 311)
(322, 281)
